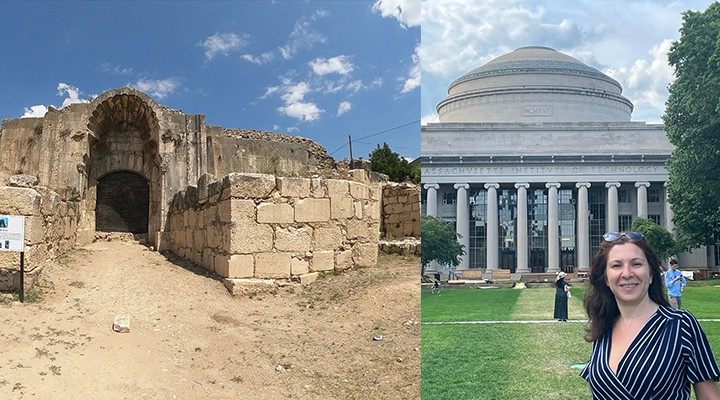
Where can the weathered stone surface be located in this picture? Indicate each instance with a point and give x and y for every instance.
(317, 189)
(323, 261)
(365, 254)
(312, 210)
(247, 185)
(19, 201)
(341, 207)
(299, 267)
(249, 238)
(307, 279)
(248, 287)
(337, 188)
(121, 324)
(343, 260)
(328, 238)
(271, 213)
(359, 191)
(235, 266)
(357, 229)
(22, 180)
(235, 210)
(293, 239)
(203, 182)
(272, 265)
(294, 187)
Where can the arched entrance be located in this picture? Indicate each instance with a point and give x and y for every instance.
(123, 201)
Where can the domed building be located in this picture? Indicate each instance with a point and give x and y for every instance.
(535, 157)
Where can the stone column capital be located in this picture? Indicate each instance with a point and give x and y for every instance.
(461, 185)
(431, 186)
(610, 184)
(556, 185)
(638, 184)
(581, 184)
(491, 185)
(522, 184)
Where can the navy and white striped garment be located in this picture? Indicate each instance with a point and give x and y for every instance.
(670, 353)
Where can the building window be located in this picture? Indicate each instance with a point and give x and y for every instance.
(596, 202)
(624, 223)
(623, 196)
(478, 234)
(423, 197)
(537, 229)
(654, 218)
(507, 214)
(449, 197)
(566, 217)
(653, 195)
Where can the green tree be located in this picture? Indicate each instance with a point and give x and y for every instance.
(692, 121)
(387, 162)
(439, 243)
(659, 238)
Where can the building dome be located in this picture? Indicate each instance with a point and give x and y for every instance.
(535, 84)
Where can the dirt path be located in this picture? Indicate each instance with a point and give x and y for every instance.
(189, 339)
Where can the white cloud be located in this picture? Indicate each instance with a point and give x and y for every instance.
(339, 65)
(263, 58)
(413, 79)
(407, 12)
(157, 88)
(223, 44)
(293, 129)
(302, 111)
(293, 94)
(302, 36)
(116, 69)
(431, 117)
(35, 111)
(344, 107)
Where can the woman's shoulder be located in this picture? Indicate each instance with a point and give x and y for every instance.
(678, 315)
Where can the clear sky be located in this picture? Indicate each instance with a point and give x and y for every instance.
(318, 69)
(626, 39)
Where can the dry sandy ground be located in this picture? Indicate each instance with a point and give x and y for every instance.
(190, 339)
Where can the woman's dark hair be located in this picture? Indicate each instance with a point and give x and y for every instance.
(600, 303)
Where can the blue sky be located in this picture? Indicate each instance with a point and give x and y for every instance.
(626, 39)
(318, 69)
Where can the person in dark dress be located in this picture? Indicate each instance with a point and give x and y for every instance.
(561, 297)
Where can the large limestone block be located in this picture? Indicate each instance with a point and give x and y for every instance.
(51, 202)
(323, 260)
(203, 182)
(357, 229)
(307, 279)
(249, 238)
(359, 191)
(341, 208)
(272, 265)
(294, 187)
(19, 201)
(247, 186)
(293, 239)
(208, 259)
(358, 209)
(317, 189)
(214, 238)
(372, 210)
(235, 266)
(328, 238)
(337, 188)
(343, 260)
(235, 210)
(270, 213)
(299, 267)
(365, 254)
(34, 231)
(312, 210)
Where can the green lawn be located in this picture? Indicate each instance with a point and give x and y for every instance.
(518, 361)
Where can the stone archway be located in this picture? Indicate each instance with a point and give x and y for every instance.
(123, 203)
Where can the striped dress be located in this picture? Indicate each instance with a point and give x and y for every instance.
(670, 353)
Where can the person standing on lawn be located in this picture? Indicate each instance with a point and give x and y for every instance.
(676, 283)
(642, 348)
(562, 291)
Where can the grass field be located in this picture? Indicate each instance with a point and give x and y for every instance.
(513, 360)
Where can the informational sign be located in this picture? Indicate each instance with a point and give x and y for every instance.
(12, 233)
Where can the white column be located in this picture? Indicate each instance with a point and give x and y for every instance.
(553, 228)
(431, 202)
(642, 209)
(522, 229)
(669, 224)
(462, 223)
(583, 224)
(611, 221)
(492, 226)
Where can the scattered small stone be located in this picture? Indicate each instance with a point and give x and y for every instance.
(279, 368)
(377, 338)
(121, 324)
(399, 359)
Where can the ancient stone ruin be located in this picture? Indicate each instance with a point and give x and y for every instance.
(241, 203)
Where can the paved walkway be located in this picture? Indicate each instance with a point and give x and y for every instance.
(542, 321)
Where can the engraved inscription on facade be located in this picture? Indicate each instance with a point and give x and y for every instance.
(537, 111)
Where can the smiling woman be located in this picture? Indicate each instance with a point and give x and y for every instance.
(632, 327)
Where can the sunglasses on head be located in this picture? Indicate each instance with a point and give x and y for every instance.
(613, 236)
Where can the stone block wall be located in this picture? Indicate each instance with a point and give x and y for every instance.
(401, 210)
(248, 225)
(51, 225)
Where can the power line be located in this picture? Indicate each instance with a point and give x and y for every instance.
(375, 134)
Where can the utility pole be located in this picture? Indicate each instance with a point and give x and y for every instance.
(350, 143)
